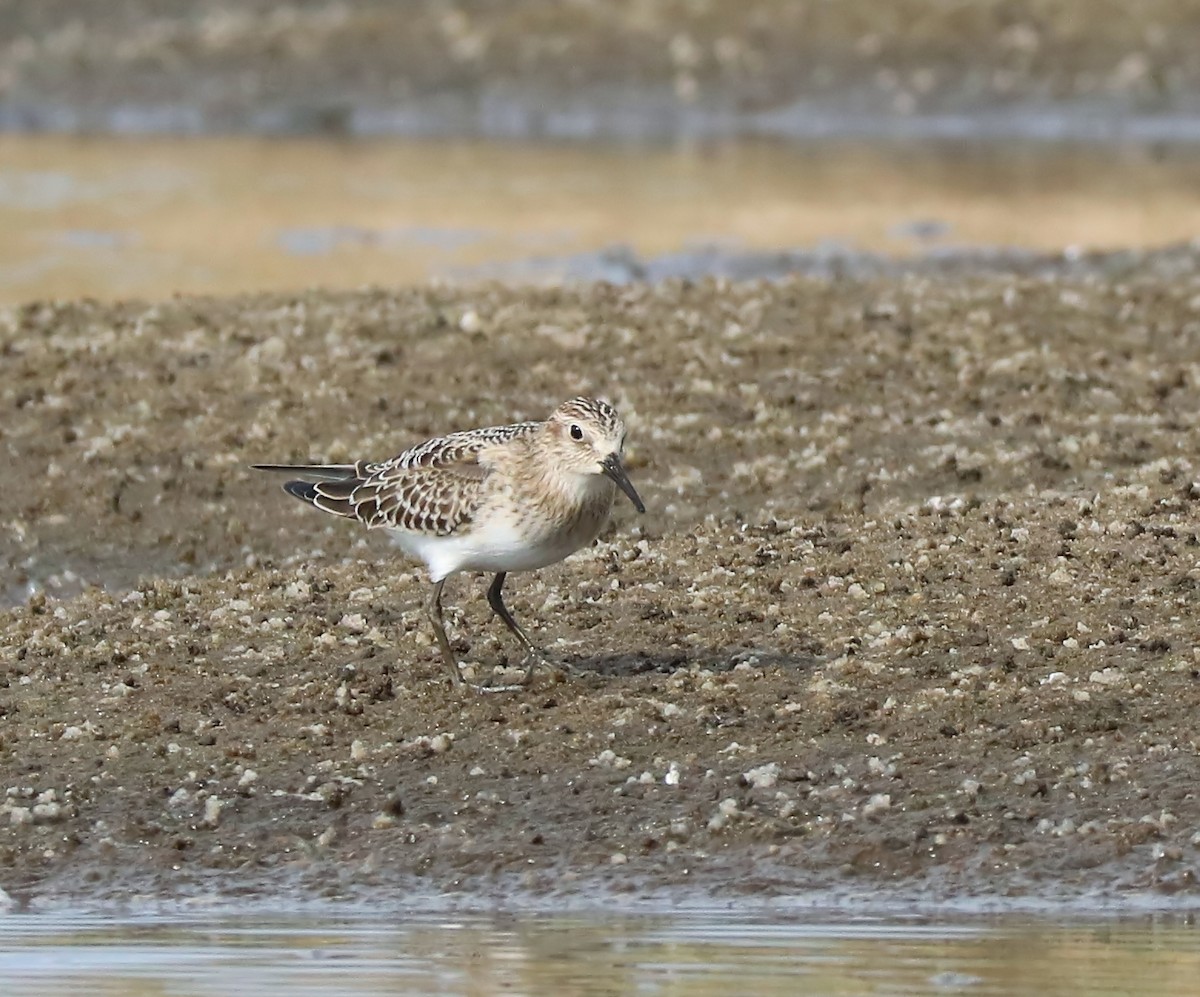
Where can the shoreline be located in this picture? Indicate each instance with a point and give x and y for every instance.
(598, 899)
(641, 121)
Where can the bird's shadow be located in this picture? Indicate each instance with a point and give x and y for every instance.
(666, 661)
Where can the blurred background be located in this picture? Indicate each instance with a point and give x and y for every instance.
(149, 147)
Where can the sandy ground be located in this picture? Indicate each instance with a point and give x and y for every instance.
(646, 68)
(912, 606)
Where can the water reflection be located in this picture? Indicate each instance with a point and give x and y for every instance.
(548, 955)
(112, 217)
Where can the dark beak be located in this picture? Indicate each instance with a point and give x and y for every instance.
(613, 469)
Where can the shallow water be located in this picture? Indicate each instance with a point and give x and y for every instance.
(147, 217)
(699, 954)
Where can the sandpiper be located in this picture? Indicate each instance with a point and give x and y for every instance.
(499, 499)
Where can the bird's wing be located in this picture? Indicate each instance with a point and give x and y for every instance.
(433, 500)
(314, 472)
(433, 487)
(454, 448)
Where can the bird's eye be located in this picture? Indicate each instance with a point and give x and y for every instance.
(576, 432)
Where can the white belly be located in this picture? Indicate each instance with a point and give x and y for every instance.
(494, 546)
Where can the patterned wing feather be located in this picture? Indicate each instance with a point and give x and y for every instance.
(454, 448)
(435, 500)
(433, 487)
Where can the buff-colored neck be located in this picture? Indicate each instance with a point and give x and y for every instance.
(560, 489)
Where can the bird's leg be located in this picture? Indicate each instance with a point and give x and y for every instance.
(434, 609)
(496, 601)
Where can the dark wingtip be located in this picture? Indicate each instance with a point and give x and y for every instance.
(306, 491)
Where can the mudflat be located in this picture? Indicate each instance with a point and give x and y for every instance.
(912, 607)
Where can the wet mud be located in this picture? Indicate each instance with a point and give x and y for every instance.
(912, 608)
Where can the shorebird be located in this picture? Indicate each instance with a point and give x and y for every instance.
(499, 499)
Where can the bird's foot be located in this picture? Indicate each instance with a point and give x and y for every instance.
(558, 668)
(513, 678)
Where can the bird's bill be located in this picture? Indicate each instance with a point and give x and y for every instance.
(613, 469)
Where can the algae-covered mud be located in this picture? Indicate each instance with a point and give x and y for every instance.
(913, 605)
(642, 68)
